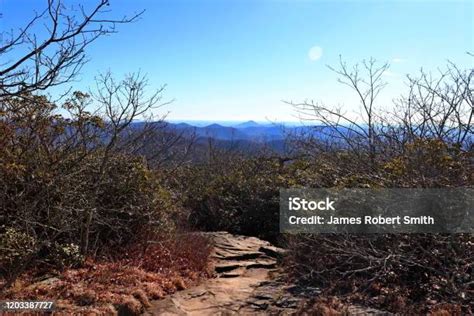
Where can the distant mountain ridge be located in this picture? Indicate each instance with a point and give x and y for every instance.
(248, 136)
(246, 131)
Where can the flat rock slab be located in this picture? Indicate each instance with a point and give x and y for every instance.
(247, 282)
(242, 265)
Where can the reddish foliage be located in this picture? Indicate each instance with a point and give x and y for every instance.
(127, 283)
(183, 253)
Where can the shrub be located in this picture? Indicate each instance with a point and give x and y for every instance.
(64, 255)
(73, 182)
(399, 273)
(240, 195)
(431, 163)
(15, 248)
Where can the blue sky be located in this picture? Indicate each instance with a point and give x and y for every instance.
(238, 59)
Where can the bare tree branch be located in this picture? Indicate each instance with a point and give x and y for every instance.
(59, 57)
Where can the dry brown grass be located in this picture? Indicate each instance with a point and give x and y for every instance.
(126, 284)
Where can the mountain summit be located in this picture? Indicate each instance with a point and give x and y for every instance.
(247, 124)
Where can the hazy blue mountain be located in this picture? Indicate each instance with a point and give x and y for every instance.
(183, 125)
(220, 132)
(264, 132)
(247, 124)
(248, 137)
(246, 131)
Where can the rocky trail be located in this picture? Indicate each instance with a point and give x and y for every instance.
(248, 282)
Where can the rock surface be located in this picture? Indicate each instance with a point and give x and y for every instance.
(247, 282)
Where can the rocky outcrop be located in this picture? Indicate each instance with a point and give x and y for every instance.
(243, 266)
(247, 282)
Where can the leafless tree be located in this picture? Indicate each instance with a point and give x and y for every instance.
(439, 106)
(435, 107)
(356, 132)
(32, 62)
